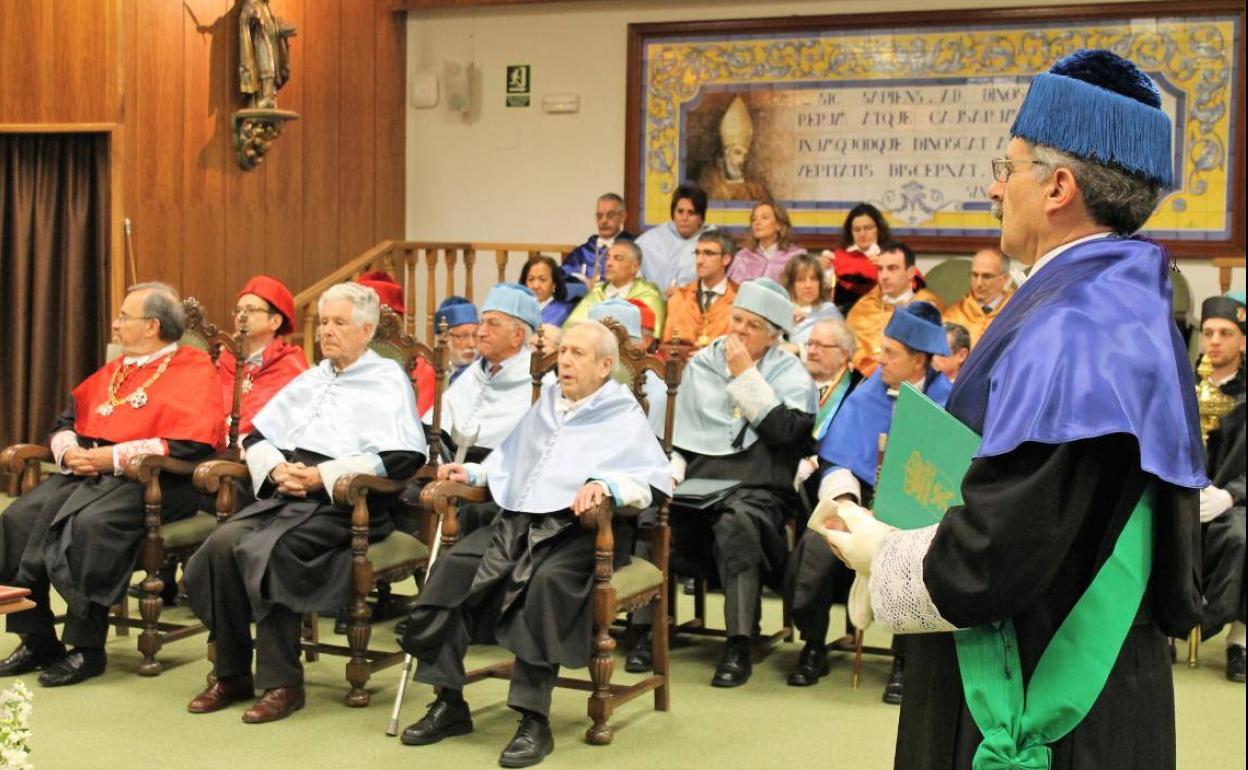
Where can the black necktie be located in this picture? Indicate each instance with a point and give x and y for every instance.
(707, 297)
(986, 308)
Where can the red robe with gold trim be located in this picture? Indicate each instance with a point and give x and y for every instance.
(280, 363)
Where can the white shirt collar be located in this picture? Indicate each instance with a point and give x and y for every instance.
(565, 406)
(904, 299)
(994, 303)
(550, 299)
(1051, 255)
(613, 291)
(719, 288)
(769, 251)
(143, 360)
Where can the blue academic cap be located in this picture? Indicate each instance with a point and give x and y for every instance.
(766, 298)
(1100, 107)
(918, 327)
(456, 311)
(515, 300)
(623, 311)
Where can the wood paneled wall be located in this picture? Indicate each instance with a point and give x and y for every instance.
(161, 77)
(331, 185)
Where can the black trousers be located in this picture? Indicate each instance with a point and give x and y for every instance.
(214, 571)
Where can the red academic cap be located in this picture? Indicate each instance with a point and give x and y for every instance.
(647, 315)
(276, 294)
(388, 291)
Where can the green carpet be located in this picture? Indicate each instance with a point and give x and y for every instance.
(121, 720)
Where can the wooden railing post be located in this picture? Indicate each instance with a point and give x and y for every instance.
(431, 293)
(500, 261)
(451, 258)
(470, 262)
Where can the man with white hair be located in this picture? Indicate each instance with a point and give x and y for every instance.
(744, 412)
(1037, 611)
(79, 530)
(525, 580)
(289, 552)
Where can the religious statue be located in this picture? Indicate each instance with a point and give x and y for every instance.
(725, 178)
(263, 68)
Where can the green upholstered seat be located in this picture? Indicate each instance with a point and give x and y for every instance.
(188, 532)
(398, 548)
(950, 280)
(637, 576)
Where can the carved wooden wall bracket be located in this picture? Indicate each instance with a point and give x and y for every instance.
(254, 130)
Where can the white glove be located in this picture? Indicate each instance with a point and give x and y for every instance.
(1214, 502)
(857, 546)
(859, 603)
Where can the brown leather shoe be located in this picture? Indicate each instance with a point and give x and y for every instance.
(277, 703)
(222, 693)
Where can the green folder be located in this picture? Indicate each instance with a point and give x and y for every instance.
(927, 455)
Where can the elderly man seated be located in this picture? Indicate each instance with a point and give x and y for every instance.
(586, 265)
(959, 350)
(990, 290)
(80, 530)
(525, 580)
(623, 281)
(744, 413)
(848, 456)
(289, 552)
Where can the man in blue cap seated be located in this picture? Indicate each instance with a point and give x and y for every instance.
(1076, 549)
(848, 456)
(744, 412)
(1221, 392)
(461, 320)
(525, 581)
(629, 316)
(492, 394)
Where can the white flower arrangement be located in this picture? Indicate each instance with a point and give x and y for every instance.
(15, 727)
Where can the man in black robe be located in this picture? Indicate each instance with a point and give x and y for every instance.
(289, 552)
(79, 531)
(744, 412)
(1087, 475)
(524, 581)
(1222, 502)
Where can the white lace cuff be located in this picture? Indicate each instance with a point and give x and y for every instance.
(753, 394)
(899, 596)
(126, 451)
(61, 443)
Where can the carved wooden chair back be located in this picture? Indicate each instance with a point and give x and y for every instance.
(391, 341)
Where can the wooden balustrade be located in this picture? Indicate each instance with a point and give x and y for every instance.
(415, 263)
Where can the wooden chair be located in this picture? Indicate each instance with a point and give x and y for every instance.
(29, 463)
(393, 559)
(628, 589)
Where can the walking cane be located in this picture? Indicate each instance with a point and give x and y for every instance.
(463, 442)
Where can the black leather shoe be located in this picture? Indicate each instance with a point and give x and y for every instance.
(641, 658)
(812, 664)
(734, 667)
(1235, 662)
(530, 745)
(26, 659)
(78, 666)
(444, 719)
(892, 690)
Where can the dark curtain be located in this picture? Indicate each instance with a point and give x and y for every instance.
(53, 274)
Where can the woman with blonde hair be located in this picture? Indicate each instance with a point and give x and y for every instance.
(769, 246)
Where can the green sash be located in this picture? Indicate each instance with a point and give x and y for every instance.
(1018, 726)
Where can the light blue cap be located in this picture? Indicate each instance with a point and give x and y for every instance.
(516, 301)
(625, 312)
(766, 298)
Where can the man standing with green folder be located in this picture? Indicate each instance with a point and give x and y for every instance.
(1075, 551)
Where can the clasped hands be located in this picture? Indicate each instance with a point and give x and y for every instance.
(587, 497)
(88, 462)
(854, 535)
(296, 479)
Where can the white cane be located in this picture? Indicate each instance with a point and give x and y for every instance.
(462, 443)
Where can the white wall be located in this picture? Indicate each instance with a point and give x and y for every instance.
(521, 175)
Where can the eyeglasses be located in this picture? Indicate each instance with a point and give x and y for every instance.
(123, 316)
(707, 253)
(243, 310)
(1003, 168)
